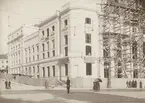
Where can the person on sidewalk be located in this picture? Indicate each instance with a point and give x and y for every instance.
(6, 84)
(68, 85)
(9, 85)
(140, 84)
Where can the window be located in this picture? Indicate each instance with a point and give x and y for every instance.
(29, 51)
(66, 69)
(2, 61)
(88, 38)
(37, 69)
(48, 54)
(43, 55)
(47, 32)
(134, 50)
(66, 51)
(47, 45)
(37, 48)
(29, 70)
(135, 73)
(88, 20)
(43, 69)
(2, 66)
(43, 33)
(53, 28)
(6, 61)
(53, 52)
(37, 57)
(53, 44)
(53, 70)
(33, 49)
(29, 59)
(43, 47)
(26, 59)
(33, 69)
(65, 22)
(48, 71)
(88, 50)
(88, 69)
(66, 39)
(106, 73)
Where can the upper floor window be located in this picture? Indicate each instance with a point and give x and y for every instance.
(88, 38)
(43, 47)
(65, 22)
(66, 39)
(88, 20)
(53, 44)
(37, 48)
(33, 49)
(47, 45)
(88, 50)
(53, 28)
(66, 51)
(47, 32)
(43, 32)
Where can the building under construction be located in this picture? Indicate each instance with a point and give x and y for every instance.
(122, 29)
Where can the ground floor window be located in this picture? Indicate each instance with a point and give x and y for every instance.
(106, 73)
(43, 71)
(53, 70)
(88, 69)
(48, 71)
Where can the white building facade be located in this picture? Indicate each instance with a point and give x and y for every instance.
(66, 44)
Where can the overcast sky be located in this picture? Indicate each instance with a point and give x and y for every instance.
(19, 12)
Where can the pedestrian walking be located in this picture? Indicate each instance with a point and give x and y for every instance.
(46, 84)
(140, 84)
(9, 85)
(127, 84)
(6, 84)
(68, 85)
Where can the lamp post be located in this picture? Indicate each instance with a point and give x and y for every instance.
(109, 77)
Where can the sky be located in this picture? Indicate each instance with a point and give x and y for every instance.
(15, 13)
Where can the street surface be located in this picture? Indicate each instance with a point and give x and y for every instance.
(28, 94)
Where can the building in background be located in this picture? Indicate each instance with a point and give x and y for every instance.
(3, 63)
(16, 48)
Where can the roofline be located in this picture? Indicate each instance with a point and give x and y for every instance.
(61, 13)
(15, 31)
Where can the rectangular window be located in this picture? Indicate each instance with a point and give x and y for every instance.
(88, 50)
(43, 69)
(37, 48)
(66, 69)
(48, 54)
(88, 38)
(65, 22)
(48, 71)
(47, 32)
(33, 70)
(88, 20)
(53, 44)
(43, 55)
(47, 45)
(53, 52)
(106, 73)
(33, 50)
(53, 70)
(43, 33)
(88, 69)
(66, 51)
(53, 28)
(37, 69)
(29, 59)
(66, 39)
(43, 47)
(37, 57)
